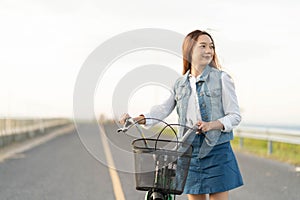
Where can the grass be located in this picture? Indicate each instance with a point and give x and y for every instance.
(166, 133)
(284, 152)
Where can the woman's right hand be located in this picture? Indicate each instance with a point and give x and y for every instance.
(123, 118)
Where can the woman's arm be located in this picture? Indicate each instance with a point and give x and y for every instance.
(160, 111)
(231, 108)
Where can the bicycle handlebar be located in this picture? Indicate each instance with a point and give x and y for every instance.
(129, 122)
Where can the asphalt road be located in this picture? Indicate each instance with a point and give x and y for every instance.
(73, 166)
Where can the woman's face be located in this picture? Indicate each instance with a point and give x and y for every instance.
(203, 51)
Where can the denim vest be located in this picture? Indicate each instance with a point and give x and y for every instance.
(209, 93)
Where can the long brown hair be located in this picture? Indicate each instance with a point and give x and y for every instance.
(187, 48)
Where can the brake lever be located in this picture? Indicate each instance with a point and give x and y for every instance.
(199, 131)
(121, 130)
(129, 121)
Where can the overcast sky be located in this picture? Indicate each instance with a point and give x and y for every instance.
(43, 45)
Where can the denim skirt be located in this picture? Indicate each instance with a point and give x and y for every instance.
(218, 171)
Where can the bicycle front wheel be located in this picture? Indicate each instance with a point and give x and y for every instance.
(150, 195)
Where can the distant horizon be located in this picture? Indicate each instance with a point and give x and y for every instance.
(287, 126)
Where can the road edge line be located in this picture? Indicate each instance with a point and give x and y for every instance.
(118, 191)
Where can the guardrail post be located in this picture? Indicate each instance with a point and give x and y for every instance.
(7, 124)
(1, 140)
(41, 125)
(270, 147)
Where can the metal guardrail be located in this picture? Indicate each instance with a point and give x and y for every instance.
(268, 134)
(20, 129)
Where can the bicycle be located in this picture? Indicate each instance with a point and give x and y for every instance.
(161, 166)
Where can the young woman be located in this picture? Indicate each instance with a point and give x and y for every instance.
(205, 96)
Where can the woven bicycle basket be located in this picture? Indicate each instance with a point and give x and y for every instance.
(161, 165)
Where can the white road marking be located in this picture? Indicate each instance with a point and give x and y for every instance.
(119, 194)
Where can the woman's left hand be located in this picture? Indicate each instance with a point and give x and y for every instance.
(204, 126)
(207, 126)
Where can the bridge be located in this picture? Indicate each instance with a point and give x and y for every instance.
(71, 163)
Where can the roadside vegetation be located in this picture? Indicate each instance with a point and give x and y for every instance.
(284, 152)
